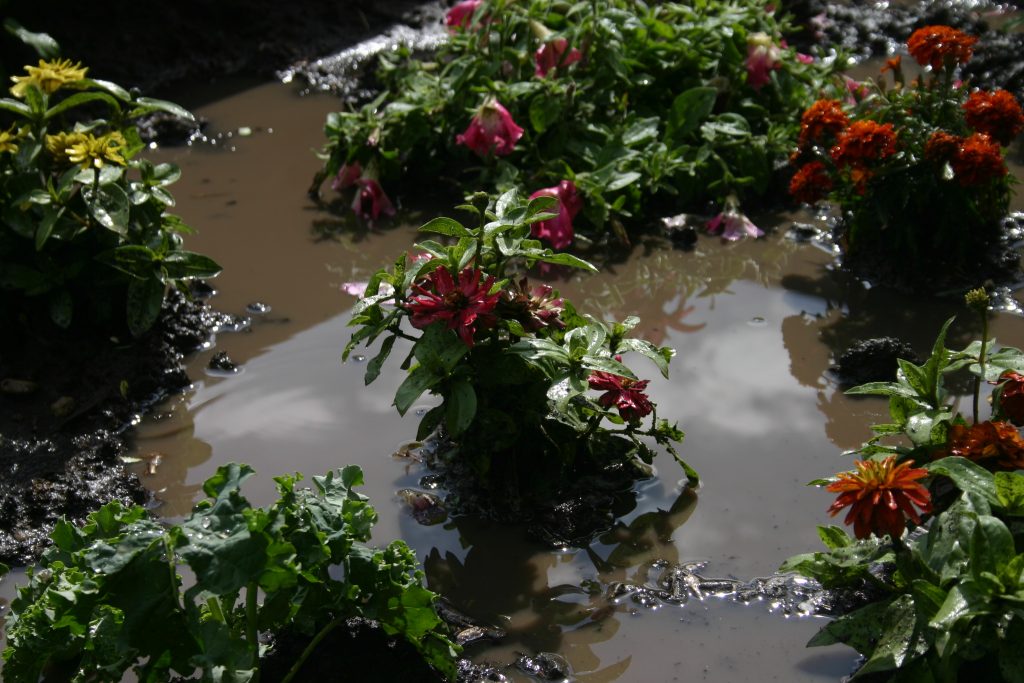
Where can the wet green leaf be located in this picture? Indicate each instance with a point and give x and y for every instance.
(144, 299)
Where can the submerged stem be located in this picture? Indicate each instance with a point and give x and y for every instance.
(251, 627)
(309, 649)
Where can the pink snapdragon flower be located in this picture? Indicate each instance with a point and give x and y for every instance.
(763, 55)
(370, 201)
(492, 130)
(555, 54)
(460, 16)
(732, 223)
(558, 231)
(347, 176)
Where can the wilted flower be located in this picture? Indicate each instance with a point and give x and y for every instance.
(933, 45)
(460, 16)
(48, 76)
(978, 161)
(533, 307)
(810, 183)
(625, 394)
(822, 120)
(554, 54)
(370, 201)
(87, 149)
(763, 55)
(881, 494)
(994, 113)
(558, 231)
(347, 176)
(732, 223)
(492, 130)
(995, 445)
(1011, 396)
(863, 141)
(9, 140)
(942, 147)
(857, 90)
(462, 305)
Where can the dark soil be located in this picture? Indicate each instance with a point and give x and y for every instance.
(873, 360)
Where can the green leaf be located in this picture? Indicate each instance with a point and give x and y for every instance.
(605, 364)
(446, 226)
(658, 355)
(15, 107)
(688, 111)
(1010, 491)
(188, 265)
(967, 476)
(544, 110)
(460, 407)
(77, 100)
(44, 45)
(562, 259)
(881, 389)
(112, 88)
(899, 642)
(146, 105)
(834, 537)
(61, 308)
(859, 629)
(416, 382)
(144, 299)
(438, 350)
(111, 208)
(377, 362)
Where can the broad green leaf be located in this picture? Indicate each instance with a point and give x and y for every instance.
(562, 259)
(44, 44)
(145, 297)
(882, 389)
(418, 380)
(689, 110)
(187, 265)
(859, 629)
(77, 100)
(1010, 491)
(658, 355)
(834, 537)
(112, 88)
(438, 350)
(373, 368)
(110, 209)
(544, 111)
(460, 408)
(61, 308)
(146, 105)
(15, 107)
(899, 641)
(445, 226)
(967, 476)
(605, 364)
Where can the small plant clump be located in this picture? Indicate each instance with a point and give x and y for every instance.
(85, 233)
(630, 108)
(917, 167)
(513, 362)
(108, 598)
(949, 594)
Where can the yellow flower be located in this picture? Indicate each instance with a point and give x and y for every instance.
(87, 149)
(48, 76)
(59, 143)
(8, 140)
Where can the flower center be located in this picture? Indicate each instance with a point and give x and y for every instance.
(455, 299)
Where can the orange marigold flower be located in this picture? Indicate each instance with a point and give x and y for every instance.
(942, 146)
(860, 176)
(892, 64)
(864, 141)
(993, 445)
(823, 118)
(810, 183)
(995, 113)
(933, 45)
(881, 494)
(978, 161)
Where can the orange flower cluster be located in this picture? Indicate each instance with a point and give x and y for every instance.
(978, 161)
(994, 113)
(993, 445)
(881, 495)
(823, 119)
(942, 147)
(810, 183)
(864, 141)
(934, 45)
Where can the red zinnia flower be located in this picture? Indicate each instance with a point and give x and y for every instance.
(1011, 396)
(810, 183)
(995, 113)
(993, 445)
(978, 161)
(942, 146)
(534, 307)
(933, 45)
(462, 305)
(622, 392)
(823, 118)
(864, 141)
(879, 494)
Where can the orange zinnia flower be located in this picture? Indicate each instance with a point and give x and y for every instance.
(978, 161)
(993, 445)
(933, 45)
(810, 183)
(823, 118)
(995, 113)
(942, 146)
(879, 494)
(864, 141)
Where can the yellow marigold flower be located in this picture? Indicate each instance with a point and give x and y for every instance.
(59, 143)
(92, 151)
(48, 76)
(8, 140)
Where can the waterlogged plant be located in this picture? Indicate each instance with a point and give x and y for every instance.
(917, 167)
(108, 598)
(641, 108)
(516, 366)
(948, 595)
(85, 232)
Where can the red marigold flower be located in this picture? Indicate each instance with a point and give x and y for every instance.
(934, 45)
(462, 304)
(558, 230)
(370, 201)
(810, 183)
(491, 130)
(881, 494)
(1011, 396)
(622, 392)
(863, 141)
(978, 161)
(942, 146)
(995, 113)
(993, 445)
(823, 118)
(860, 176)
(554, 54)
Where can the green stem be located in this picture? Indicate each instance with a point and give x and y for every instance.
(173, 568)
(981, 362)
(251, 629)
(309, 649)
(95, 186)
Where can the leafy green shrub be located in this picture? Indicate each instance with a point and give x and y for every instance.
(85, 232)
(512, 362)
(643, 107)
(107, 597)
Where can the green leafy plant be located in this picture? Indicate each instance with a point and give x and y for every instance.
(108, 598)
(84, 225)
(512, 363)
(642, 107)
(917, 167)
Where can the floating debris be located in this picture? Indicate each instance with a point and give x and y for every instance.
(258, 308)
(16, 387)
(222, 363)
(427, 508)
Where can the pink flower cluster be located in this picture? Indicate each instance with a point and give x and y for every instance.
(558, 231)
(370, 201)
(491, 131)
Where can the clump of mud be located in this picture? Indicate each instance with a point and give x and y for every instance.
(872, 360)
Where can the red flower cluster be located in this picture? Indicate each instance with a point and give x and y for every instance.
(622, 392)
(1011, 396)
(942, 147)
(491, 131)
(994, 113)
(554, 54)
(534, 307)
(864, 141)
(881, 494)
(810, 183)
(934, 45)
(462, 304)
(823, 119)
(978, 161)
(993, 445)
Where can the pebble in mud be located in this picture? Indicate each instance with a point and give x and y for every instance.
(545, 666)
(258, 308)
(221, 363)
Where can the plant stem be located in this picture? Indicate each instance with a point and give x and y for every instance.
(172, 566)
(309, 649)
(251, 630)
(981, 362)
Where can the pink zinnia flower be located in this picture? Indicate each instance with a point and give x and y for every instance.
(370, 201)
(460, 16)
(555, 54)
(558, 231)
(732, 223)
(762, 56)
(347, 176)
(625, 394)
(491, 130)
(461, 304)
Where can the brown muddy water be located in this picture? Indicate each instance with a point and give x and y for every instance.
(755, 325)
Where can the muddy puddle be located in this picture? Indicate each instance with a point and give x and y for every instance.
(756, 326)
